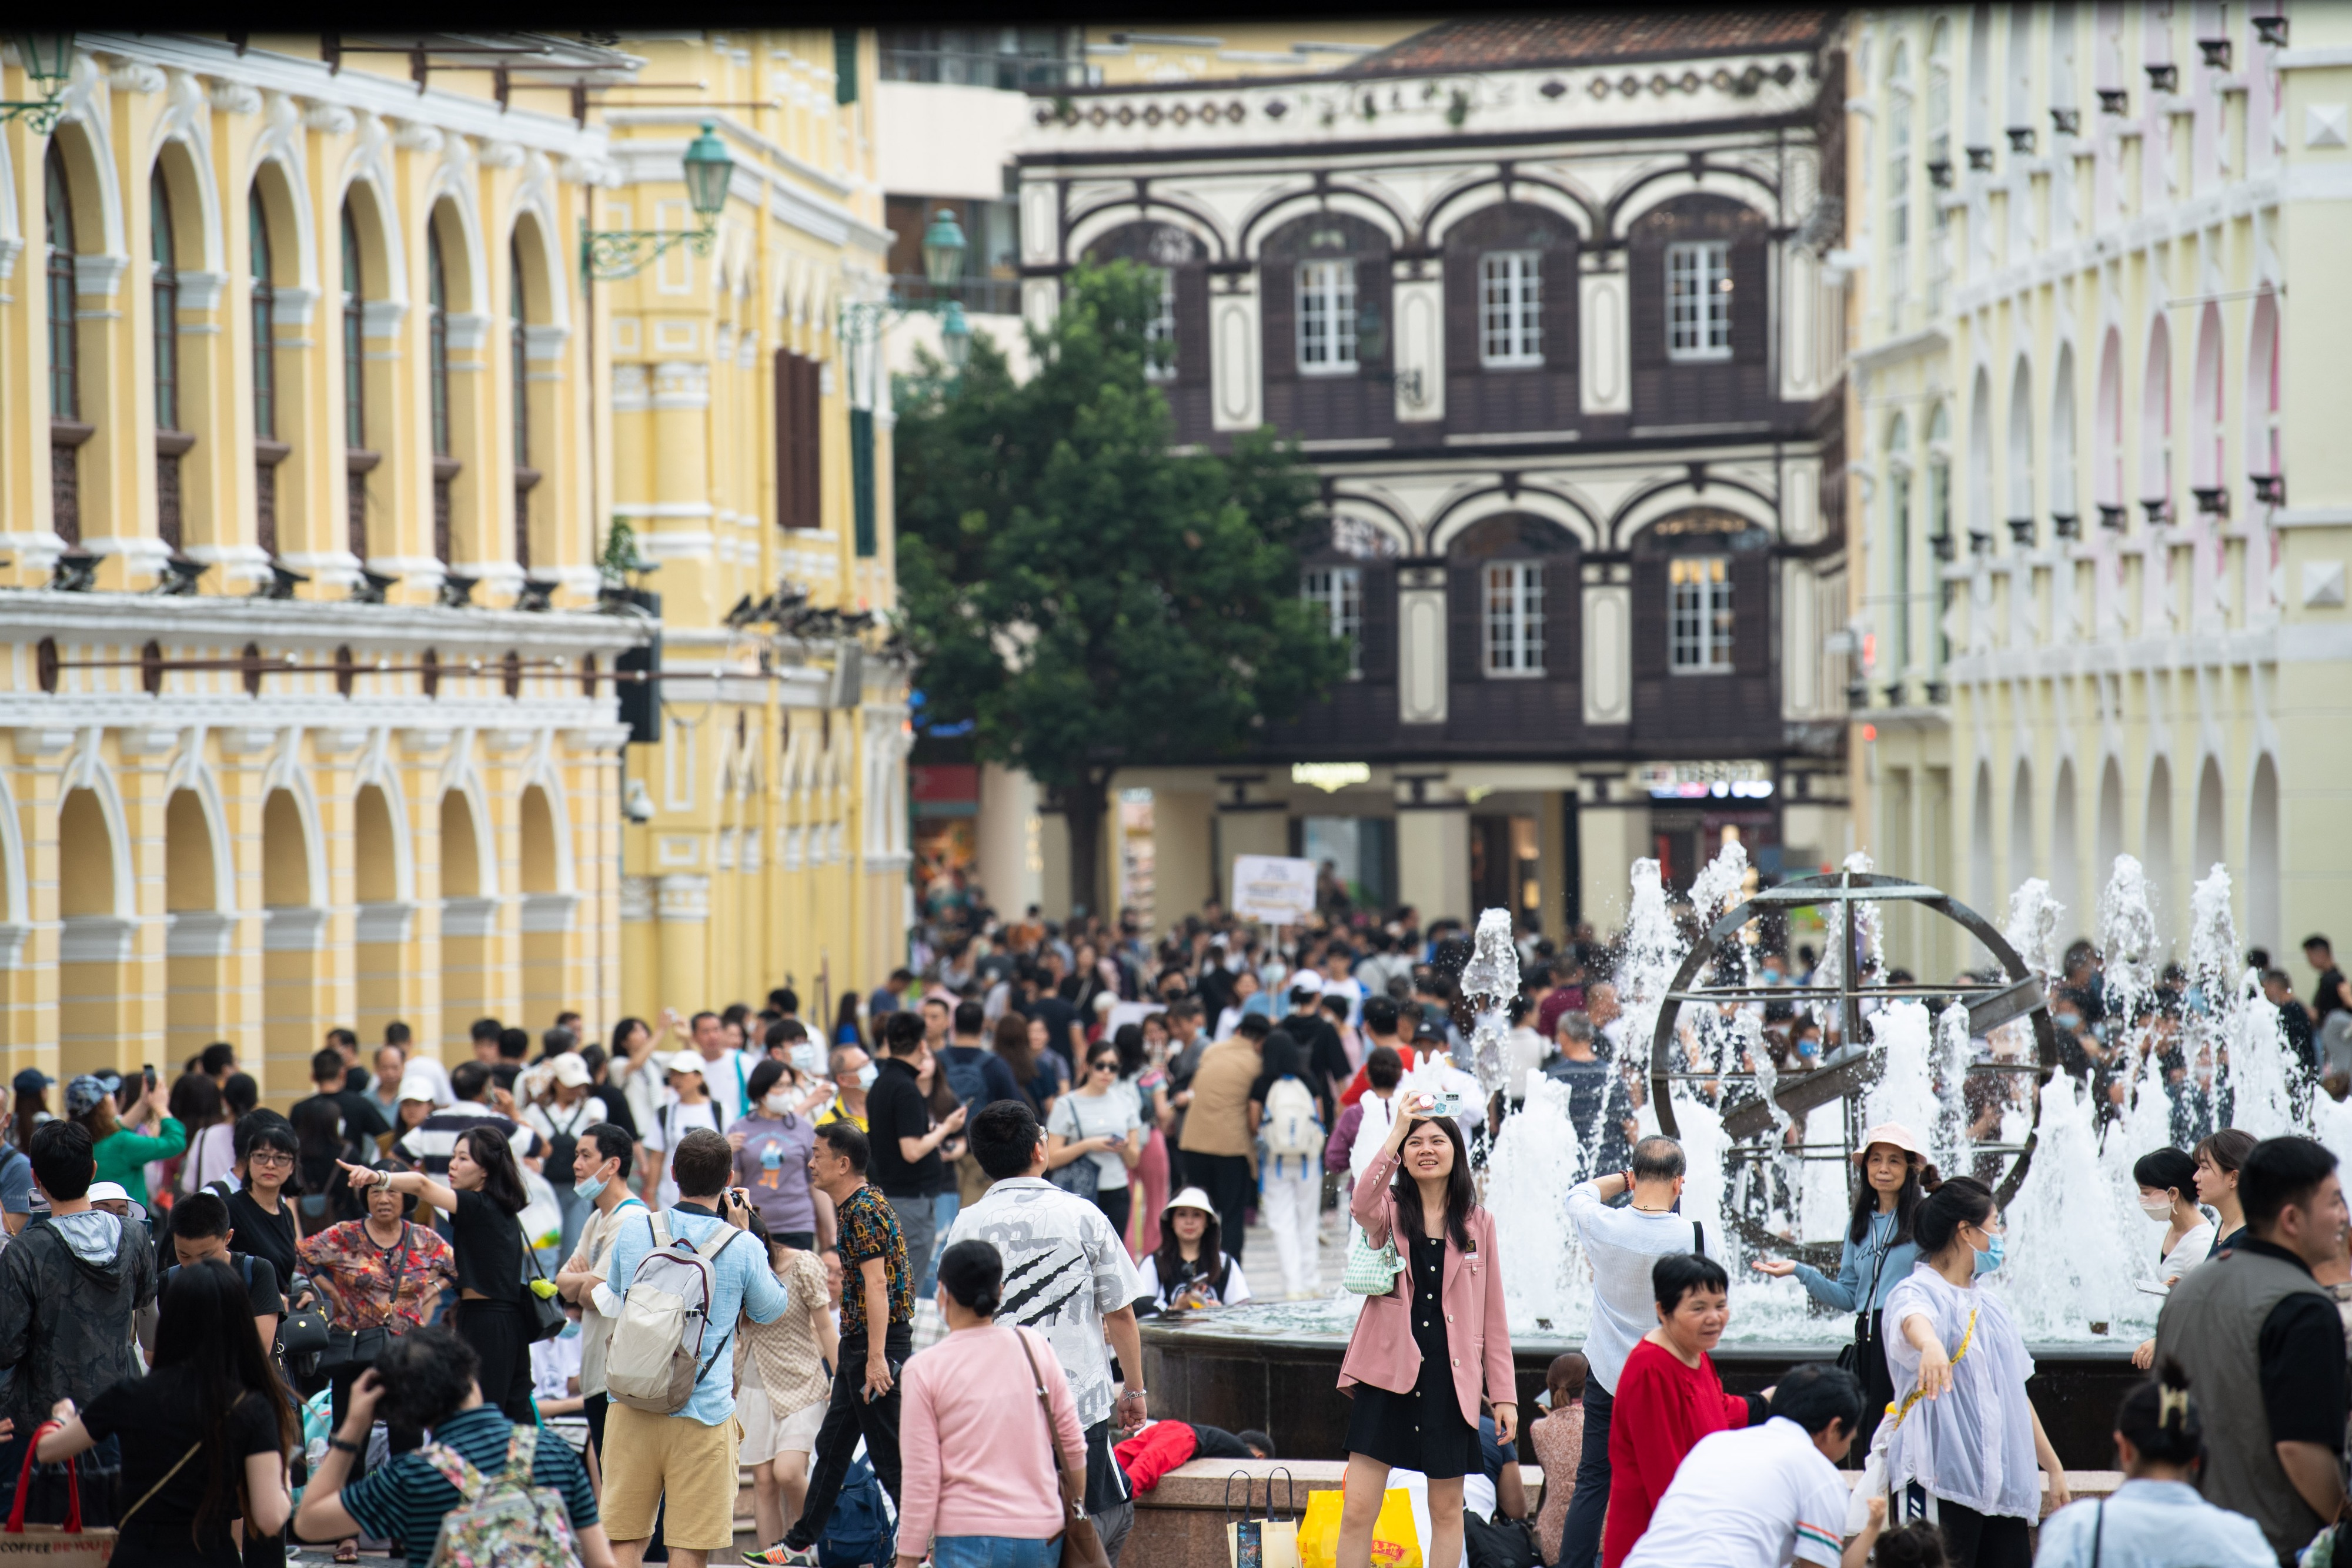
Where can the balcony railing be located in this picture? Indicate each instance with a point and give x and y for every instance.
(979, 296)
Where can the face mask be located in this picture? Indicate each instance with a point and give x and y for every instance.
(776, 1105)
(809, 1057)
(2068, 1022)
(1808, 1048)
(1989, 1259)
(589, 1186)
(2157, 1211)
(571, 1329)
(867, 1075)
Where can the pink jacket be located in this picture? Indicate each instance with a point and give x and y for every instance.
(971, 1440)
(1382, 1352)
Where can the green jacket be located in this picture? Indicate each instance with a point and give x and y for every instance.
(120, 1155)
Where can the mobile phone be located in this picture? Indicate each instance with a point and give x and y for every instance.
(893, 1365)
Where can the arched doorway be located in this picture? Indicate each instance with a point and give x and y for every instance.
(469, 917)
(2209, 844)
(95, 1003)
(2156, 846)
(2265, 899)
(197, 930)
(1982, 890)
(2021, 861)
(2109, 840)
(2066, 854)
(293, 929)
(384, 983)
(546, 912)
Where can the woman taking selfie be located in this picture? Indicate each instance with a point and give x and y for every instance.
(482, 1197)
(205, 1434)
(1424, 1353)
(1964, 1430)
(1189, 1269)
(1877, 1255)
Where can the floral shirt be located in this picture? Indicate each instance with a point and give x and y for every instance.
(782, 1358)
(870, 1228)
(356, 1276)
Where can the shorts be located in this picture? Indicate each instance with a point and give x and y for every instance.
(766, 1433)
(648, 1455)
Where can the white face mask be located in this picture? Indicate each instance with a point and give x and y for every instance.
(2161, 1209)
(776, 1105)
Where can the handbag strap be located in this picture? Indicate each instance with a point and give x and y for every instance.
(24, 1478)
(125, 1517)
(399, 1273)
(2098, 1529)
(1053, 1439)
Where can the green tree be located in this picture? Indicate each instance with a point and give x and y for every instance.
(1089, 598)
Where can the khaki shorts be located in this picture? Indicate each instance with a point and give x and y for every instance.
(767, 1432)
(646, 1455)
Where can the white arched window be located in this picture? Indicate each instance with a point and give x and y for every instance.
(2020, 455)
(1898, 175)
(2107, 431)
(2207, 437)
(2263, 391)
(2156, 418)
(1981, 462)
(2064, 518)
(1898, 618)
(1939, 520)
(1939, 158)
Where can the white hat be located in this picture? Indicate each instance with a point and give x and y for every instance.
(683, 1061)
(1304, 980)
(572, 1069)
(415, 1084)
(1193, 1197)
(1894, 1134)
(100, 1191)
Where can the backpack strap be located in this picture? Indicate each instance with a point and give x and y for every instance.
(454, 1468)
(522, 1451)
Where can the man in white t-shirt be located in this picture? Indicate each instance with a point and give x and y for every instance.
(1621, 1244)
(1768, 1496)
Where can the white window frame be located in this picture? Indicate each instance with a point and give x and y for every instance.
(1339, 589)
(1326, 318)
(1700, 615)
(1698, 301)
(1511, 620)
(1510, 309)
(1161, 329)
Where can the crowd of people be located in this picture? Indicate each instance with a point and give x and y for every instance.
(611, 1277)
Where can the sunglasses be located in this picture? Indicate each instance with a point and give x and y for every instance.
(1108, 1064)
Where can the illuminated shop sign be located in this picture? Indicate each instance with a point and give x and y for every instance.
(1707, 781)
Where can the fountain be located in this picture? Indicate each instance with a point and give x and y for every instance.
(1766, 1149)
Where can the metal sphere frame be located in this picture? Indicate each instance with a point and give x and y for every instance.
(1847, 1073)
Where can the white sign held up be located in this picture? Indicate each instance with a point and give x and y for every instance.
(1275, 888)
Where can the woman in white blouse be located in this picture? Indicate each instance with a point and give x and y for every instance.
(2167, 1195)
(1966, 1438)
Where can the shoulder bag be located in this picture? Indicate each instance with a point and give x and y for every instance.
(1852, 1357)
(1081, 1547)
(542, 1308)
(1081, 1178)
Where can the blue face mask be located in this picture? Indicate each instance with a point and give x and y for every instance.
(589, 1188)
(867, 1075)
(1808, 1048)
(1989, 1259)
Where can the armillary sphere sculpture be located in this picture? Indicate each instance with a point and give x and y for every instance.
(1848, 1072)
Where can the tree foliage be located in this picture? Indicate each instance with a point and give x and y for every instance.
(1087, 596)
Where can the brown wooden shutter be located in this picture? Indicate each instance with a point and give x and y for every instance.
(1751, 612)
(787, 443)
(1464, 620)
(1750, 307)
(1379, 634)
(1563, 581)
(1193, 325)
(1651, 619)
(1647, 285)
(810, 406)
(1561, 299)
(1277, 282)
(1373, 287)
(1462, 314)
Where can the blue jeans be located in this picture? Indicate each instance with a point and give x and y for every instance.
(945, 1206)
(993, 1551)
(1580, 1537)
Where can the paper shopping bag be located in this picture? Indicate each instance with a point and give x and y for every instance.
(1318, 1533)
(1396, 1543)
(52, 1546)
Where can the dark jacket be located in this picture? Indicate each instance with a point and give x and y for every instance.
(65, 1320)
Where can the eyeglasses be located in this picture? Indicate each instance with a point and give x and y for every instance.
(270, 1157)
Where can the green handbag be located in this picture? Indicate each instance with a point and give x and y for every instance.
(1371, 1271)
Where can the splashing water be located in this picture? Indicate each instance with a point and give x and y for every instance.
(1489, 980)
(2033, 926)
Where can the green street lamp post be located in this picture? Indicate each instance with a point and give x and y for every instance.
(608, 256)
(943, 251)
(47, 59)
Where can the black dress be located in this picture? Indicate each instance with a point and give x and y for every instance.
(1423, 1430)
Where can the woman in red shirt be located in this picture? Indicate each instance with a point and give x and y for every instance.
(1669, 1397)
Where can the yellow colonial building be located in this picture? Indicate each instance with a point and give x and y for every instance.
(2095, 326)
(315, 434)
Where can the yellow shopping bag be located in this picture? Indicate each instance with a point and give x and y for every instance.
(1395, 1543)
(1318, 1533)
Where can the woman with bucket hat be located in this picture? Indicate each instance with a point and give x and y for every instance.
(1188, 1268)
(1877, 1256)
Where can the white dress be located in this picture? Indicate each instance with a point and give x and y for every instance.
(2187, 1255)
(1972, 1445)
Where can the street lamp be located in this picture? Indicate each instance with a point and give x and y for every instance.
(608, 256)
(47, 61)
(943, 248)
(955, 335)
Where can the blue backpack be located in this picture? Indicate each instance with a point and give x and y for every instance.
(859, 1532)
(965, 1077)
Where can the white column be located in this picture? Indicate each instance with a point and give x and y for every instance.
(1432, 837)
(1605, 371)
(1233, 370)
(1607, 644)
(1420, 344)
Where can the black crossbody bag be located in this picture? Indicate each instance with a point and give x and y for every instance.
(1865, 1322)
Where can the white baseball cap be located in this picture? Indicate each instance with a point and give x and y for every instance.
(683, 1061)
(418, 1085)
(100, 1191)
(572, 1069)
(1304, 980)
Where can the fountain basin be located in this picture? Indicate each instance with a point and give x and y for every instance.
(1245, 1367)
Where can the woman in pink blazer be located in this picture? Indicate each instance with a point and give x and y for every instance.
(1423, 1354)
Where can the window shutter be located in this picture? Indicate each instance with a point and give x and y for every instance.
(1563, 580)
(1460, 313)
(1751, 612)
(1378, 637)
(809, 402)
(1647, 285)
(1277, 282)
(1562, 298)
(1193, 325)
(1653, 616)
(861, 477)
(788, 451)
(1465, 620)
(1750, 309)
(1372, 289)
(845, 65)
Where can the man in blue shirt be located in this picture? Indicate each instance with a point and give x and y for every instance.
(691, 1454)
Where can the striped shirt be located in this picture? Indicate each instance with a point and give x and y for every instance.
(405, 1500)
(1757, 1497)
(431, 1142)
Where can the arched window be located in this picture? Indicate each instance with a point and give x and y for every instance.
(2107, 434)
(2020, 456)
(358, 459)
(437, 378)
(2156, 423)
(267, 452)
(1898, 541)
(1898, 175)
(67, 431)
(164, 284)
(1939, 158)
(1981, 462)
(1940, 517)
(519, 371)
(2206, 451)
(2064, 517)
(2262, 392)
